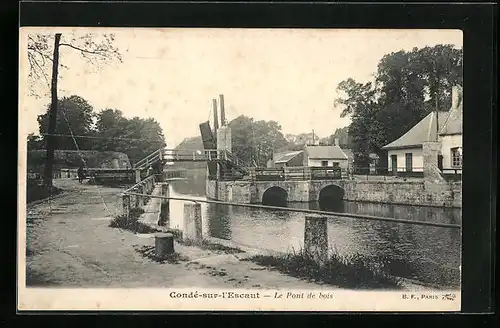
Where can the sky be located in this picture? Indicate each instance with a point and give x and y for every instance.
(172, 75)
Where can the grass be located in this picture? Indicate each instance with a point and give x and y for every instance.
(131, 222)
(206, 245)
(354, 271)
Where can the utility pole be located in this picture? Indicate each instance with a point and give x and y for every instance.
(47, 176)
(313, 138)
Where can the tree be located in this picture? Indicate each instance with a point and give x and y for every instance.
(74, 117)
(255, 141)
(35, 142)
(110, 130)
(95, 48)
(135, 137)
(408, 86)
(359, 102)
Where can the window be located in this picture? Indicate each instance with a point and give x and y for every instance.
(409, 162)
(456, 157)
(324, 163)
(335, 164)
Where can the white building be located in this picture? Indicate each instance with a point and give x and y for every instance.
(325, 156)
(405, 153)
(450, 135)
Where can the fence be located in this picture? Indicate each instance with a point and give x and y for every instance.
(56, 174)
(383, 174)
(452, 174)
(137, 195)
(296, 173)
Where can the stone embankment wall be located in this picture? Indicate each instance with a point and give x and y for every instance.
(420, 193)
(405, 193)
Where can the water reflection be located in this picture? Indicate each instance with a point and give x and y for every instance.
(430, 254)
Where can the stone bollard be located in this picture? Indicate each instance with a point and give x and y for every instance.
(165, 204)
(164, 245)
(126, 204)
(192, 222)
(316, 238)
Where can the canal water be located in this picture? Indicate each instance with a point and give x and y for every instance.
(422, 253)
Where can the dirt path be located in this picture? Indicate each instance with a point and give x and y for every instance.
(69, 244)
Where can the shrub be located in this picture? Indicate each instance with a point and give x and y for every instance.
(131, 222)
(354, 271)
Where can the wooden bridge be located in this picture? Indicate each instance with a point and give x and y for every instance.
(233, 164)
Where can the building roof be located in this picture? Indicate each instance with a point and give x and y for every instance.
(325, 152)
(423, 131)
(454, 122)
(286, 156)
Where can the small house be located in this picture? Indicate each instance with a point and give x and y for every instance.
(325, 156)
(405, 153)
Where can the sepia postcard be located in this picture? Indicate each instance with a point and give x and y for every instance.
(240, 169)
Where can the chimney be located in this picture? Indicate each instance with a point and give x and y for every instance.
(456, 96)
(336, 142)
(216, 119)
(222, 111)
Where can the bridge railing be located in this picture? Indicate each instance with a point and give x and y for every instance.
(136, 196)
(296, 173)
(149, 159)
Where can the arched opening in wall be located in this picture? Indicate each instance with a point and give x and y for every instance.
(331, 198)
(275, 196)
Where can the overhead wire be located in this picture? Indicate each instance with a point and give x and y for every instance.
(96, 137)
(63, 111)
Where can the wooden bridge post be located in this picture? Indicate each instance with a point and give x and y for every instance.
(141, 191)
(126, 204)
(137, 198)
(192, 227)
(137, 176)
(316, 238)
(253, 173)
(307, 173)
(286, 171)
(150, 184)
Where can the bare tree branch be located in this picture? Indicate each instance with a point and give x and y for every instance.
(82, 50)
(94, 48)
(41, 70)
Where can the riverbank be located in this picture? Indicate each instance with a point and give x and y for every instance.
(70, 244)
